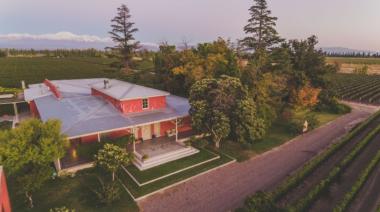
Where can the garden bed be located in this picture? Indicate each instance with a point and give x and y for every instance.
(72, 192)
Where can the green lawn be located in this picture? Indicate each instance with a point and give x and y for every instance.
(35, 70)
(278, 134)
(146, 189)
(158, 171)
(72, 192)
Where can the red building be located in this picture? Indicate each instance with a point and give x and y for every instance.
(95, 109)
(5, 205)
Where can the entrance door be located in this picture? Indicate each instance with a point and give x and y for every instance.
(146, 132)
(157, 129)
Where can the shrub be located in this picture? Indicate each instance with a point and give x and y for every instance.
(312, 121)
(61, 209)
(295, 126)
(260, 202)
(107, 193)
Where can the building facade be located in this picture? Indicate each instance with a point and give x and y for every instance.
(92, 110)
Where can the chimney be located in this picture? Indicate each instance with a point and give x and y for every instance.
(106, 84)
(23, 85)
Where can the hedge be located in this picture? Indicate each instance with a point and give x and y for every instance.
(349, 196)
(313, 194)
(294, 180)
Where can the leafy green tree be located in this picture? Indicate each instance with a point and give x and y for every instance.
(111, 158)
(210, 121)
(27, 152)
(261, 31)
(122, 35)
(224, 104)
(33, 142)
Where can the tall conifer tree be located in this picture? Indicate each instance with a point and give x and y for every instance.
(260, 30)
(122, 35)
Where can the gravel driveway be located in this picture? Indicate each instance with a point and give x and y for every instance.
(226, 188)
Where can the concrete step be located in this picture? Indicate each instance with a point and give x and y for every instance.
(165, 158)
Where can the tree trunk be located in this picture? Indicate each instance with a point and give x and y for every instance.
(30, 200)
(113, 176)
(217, 144)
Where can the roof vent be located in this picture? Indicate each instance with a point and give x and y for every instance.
(106, 84)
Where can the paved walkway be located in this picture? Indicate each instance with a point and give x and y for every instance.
(226, 189)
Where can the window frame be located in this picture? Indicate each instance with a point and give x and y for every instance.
(147, 103)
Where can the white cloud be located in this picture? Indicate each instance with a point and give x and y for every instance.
(59, 36)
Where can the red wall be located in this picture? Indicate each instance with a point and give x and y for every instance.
(5, 205)
(134, 105)
(34, 110)
(120, 133)
(167, 125)
(89, 138)
(113, 101)
(186, 124)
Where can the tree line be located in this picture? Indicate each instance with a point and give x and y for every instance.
(353, 54)
(236, 92)
(12, 52)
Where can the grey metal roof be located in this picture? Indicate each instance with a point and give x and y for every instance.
(124, 90)
(83, 114)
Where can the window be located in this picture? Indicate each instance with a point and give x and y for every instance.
(145, 104)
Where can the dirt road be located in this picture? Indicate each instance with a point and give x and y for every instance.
(226, 189)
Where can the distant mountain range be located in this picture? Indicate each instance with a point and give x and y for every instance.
(68, 40)
(342, 50)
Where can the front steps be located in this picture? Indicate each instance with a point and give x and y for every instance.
(163, 158)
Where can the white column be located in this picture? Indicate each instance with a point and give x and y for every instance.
(176, 129)
(98, 137)
(134, 140)
(16, 112)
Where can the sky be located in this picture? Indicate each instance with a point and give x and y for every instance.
(344, 23)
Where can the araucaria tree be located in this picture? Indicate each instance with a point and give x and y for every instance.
(223, 108)
(27, 152)
(260, 30)
(122, 35)
(111, 158)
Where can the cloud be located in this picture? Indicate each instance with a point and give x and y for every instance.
(59, 36)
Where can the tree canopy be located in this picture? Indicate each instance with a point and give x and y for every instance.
(27, 152)
(260, 30)
(222, 107)
(111, 158)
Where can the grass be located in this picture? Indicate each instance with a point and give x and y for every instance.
(149, 188)
(354, 60)
(72, 192)
(35, 70)
(277, 135)
(167, 168)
